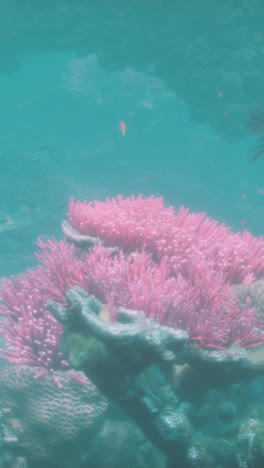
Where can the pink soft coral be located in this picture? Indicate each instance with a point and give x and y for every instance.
(30, 331)
(183, 237)
(203, 304)
(178, 268)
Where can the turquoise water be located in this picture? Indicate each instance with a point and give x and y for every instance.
(183, 78)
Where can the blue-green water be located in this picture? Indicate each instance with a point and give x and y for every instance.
(183, 76)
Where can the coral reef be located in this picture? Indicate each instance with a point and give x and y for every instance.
(158, 308)
(44, 425)
(43, 422)
(186, 239)
(124, 354)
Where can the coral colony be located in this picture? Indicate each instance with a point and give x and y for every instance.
(179, 268)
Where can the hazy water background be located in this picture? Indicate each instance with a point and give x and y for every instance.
(183, 76)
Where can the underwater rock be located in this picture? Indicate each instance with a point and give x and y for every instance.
(174, 428)
(250, 444)
(226, 411)
(123, 445)
(198, 456)
(10, 460)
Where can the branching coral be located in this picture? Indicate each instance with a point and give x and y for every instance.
(184, 238)
(30, 331)
(179, 269)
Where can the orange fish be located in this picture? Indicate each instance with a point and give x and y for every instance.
(122, 127)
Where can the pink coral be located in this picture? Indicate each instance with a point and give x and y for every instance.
(178, 268)
(128, 222)
(203, 304)
(30, 331)
(183, 237)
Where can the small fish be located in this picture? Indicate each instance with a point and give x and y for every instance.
(122, 127)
